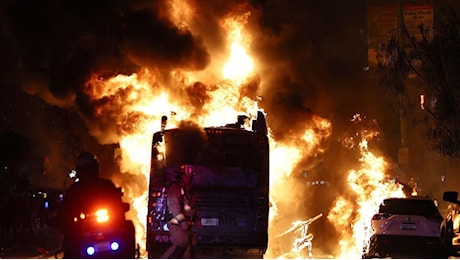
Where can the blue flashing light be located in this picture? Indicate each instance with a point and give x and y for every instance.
(114, 246)
(91, 250)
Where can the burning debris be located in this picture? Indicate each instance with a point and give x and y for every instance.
(304, 239)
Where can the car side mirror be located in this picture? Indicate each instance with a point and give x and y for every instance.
(157, 138)
(451, 196)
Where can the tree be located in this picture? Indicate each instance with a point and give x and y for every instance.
(436, 62)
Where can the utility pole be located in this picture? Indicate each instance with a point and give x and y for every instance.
(403, 152)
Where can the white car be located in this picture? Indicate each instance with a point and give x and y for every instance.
(406, 228)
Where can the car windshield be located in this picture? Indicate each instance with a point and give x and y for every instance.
(426, 208)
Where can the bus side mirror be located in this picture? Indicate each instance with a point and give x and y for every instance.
(260, 125)
(451, 196)
(157, 137)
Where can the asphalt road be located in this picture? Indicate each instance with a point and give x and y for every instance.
(44, 243)
(39, 243)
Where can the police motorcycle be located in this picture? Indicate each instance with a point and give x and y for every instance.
(101, 231)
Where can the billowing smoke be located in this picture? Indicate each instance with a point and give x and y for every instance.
(53, 48)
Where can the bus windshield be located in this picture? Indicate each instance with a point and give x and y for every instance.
(221, 157)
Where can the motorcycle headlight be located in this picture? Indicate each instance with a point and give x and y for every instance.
(91, 250)
(114, 246)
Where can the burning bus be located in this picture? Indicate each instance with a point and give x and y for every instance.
(231, 184)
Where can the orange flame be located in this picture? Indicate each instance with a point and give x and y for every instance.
(284, 158)
(369, 184)
(240, 64)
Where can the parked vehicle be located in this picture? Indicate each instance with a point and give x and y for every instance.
(450, 228)
(406, 228)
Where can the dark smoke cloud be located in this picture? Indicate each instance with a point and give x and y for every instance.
(300, 46)
(311, 62)
(50, 49)
(59, 44)
(157, 43)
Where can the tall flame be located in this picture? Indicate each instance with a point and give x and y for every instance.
(369, 185)
(240, 63)
(284, 158)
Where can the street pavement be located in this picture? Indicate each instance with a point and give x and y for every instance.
(39, 243)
